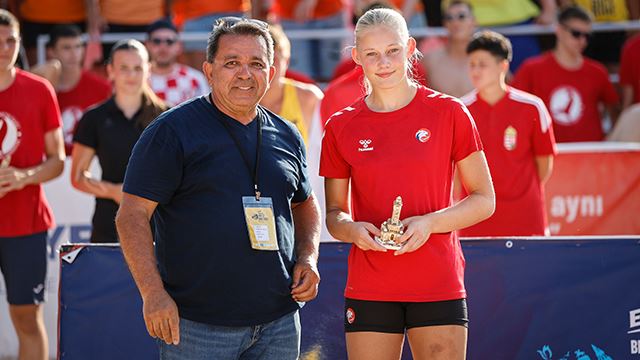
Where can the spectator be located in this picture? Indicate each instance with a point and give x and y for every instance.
(76, 89)
(342, 92)
(109, 132)
(172, 82)
(121, 16)
(293, 100)
(31, 153)
(572, 86)
(628, 126)
(514, 13)
(516, 132)
(604, 46)
(630, 72)
(316, 58)
(38, 17)
(199, 16)
(448, 67)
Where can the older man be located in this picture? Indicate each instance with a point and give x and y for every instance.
(236, 222)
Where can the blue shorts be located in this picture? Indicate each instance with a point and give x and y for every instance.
(23, 263)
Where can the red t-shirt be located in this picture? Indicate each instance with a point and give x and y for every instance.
(342, 92)
(572, 96)
(514, 131)
(409, 152)
(28, 110)
(90, 90)
(630, 66)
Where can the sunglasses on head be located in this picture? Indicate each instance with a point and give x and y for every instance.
(577, 34)
(459, 16)
(230, 21)
(158, 41)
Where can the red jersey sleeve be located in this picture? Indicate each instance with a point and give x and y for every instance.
(608, 93)
(522, 78)
(332, 163)
(50, 110)
(628, 69)
(544, 142)
(466, 138)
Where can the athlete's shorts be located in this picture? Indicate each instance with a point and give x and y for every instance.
(23, 263)
(395, 317)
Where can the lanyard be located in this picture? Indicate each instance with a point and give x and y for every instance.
(245, 157)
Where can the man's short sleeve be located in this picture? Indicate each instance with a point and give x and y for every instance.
(466, 138)
(304, 184)
(522, 78)
(155, 168)
(51, 110)
(544, 142)
(332, 163)
(608, 95)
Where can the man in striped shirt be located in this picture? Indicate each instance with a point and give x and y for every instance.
(516, 132)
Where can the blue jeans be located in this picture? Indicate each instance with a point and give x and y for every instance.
(277, 340)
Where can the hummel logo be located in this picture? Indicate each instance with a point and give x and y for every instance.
(365, 145)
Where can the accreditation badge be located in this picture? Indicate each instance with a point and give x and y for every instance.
(261, 222)
(510, 137)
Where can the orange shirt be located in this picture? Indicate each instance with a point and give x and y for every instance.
(191, 9)
(53, 11)
(127, 12)
(324, 8)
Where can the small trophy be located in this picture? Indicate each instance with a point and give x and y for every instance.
(392, 228)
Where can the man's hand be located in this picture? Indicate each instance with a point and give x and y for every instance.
(161, 317)
(11, 179)
(305, 281)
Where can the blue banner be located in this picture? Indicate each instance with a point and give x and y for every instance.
(559, 299)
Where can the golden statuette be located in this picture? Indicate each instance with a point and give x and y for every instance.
(392, 228)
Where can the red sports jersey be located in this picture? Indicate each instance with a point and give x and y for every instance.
(28, 110)
(181, 84)
(572, 96)
(90, 90)
(514, 131)
(342, 92)
(630, 66)
(409, 152)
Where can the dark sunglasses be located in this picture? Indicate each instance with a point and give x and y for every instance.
(459, 16)
(577, 34)
(230, 21)
(158, 41)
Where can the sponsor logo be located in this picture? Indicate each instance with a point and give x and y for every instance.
(546, 354)
(364, 145)
(566, 105)
(634, 328)
(70, 117)
(423, 135)
(510, 137)
(351, 315)
(9, 135)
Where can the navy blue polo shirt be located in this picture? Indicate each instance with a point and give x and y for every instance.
(187, 162)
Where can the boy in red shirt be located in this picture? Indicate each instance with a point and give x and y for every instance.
(29, 132)
(571, 85)
(516, 132)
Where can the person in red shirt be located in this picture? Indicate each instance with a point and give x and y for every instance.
(31, 152)
(76, 89)
(572, 86)
(630, 72)
(515, 128)
(402, 139)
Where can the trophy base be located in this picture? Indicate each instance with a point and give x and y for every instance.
(389, 244)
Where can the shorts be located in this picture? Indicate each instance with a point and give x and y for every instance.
(394, 317)
(23, 262)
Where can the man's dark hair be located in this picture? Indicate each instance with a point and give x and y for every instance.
(63, 31)
(456, 3)
(238, 26)
(496, 44)
(7, 19)
(161, 24)
(574, 12)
